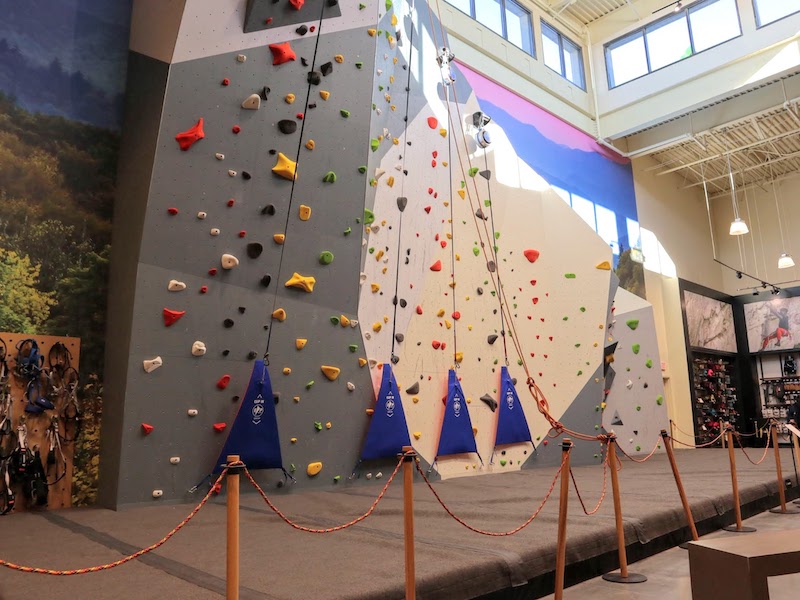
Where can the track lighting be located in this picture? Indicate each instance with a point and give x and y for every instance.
(678, 7)
(755, 292)
(764, 285)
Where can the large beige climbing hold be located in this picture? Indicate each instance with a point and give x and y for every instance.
(301, 282)
(279, 314)
(605, 266)
(252, 102)
(330, 372)
(300, 343)
(198, 348)
(313, 468)
(285, 167)
(176, 286)
(229, 261)
(152, 364)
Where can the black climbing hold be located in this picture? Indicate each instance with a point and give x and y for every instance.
(395, 359)
(405, 67)
(405, 171)
(635, 432)
(228, 323)
(514, 380)
(266, 280)
(492, 338)
(246, 175)
(242, 309)
(333, 2)
(413, 389)
(487, 174)
(480, 291)
(252, 354)
(226, 352)
(272, 151)
(276, 397)
(490, 402)
(312, 105)
(326, 69)
(406, 260)
(399, 337)
(645, 385)
(265, 93)
(254, 249)
(397, 35)
(303, 61)
(491, 266)
(269, 209)
(480, 215)
(403, 303)
(402, 202)
(287, 126)
(314, 77)
(302, 30)
(279, 483)
(234, 398)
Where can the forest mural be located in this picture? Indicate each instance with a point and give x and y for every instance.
(62, 76)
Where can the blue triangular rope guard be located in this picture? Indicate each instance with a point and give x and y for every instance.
(388, 430)
(457, 436)
(254, 435)
(512, 426)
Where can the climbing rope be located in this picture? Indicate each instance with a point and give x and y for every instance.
(288, 521)
(495, 533)
(646, 458)
(602, 493)
(747, 456)
(130, 557)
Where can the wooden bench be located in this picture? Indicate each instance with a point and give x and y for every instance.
(737, 567)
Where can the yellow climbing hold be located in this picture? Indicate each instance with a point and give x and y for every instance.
(462, 193)
(285, 167)
(376, 326)
(279, 314)
(378, 255)
(448, 324)
(287, 370)
(385, 319)
(362, 362)
(310, 145)
(328, 425)
(324, 94)
(390, 181)
(300, 343)
(605, 266)
(395, 141)
(330, 372)
(344, 321)
(443, 132)
(440, 313)
(372, 32)
(417, 435)
(370, 411)
(293, 440)
(394, 20)
(459, 357)
(305, 212)
(339, 58)
(279, 238)
(474, 431)
(302, 282)
(375, 288)
(415, 399)
(289, 98)
(313, 468)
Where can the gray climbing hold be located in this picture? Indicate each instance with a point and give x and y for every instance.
(287, 126)
(479, 291)
(402, 202)
(413, 389)
(487, 174)
(252, 102)
(399, 337)
(403, 303)
(314, 77)
(326, 69)
(492, 338)
(254, 249)
(480, 215)
(616, 420)
(490, 402)
(491, 266)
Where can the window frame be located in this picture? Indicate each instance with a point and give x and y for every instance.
(759, 25)
(504, 35)
(561, 39)
(642, 31)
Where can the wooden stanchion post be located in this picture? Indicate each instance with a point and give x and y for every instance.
(232, 554)
(623, 576)
(672, 433)
(737, 509)
(783, 509)
(796, 448)
(681, 492)
(408, 520)
(561, 548)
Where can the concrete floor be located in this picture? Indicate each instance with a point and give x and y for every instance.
(668, 572)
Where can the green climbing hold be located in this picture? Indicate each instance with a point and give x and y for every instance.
(632, 323)
(597, 456)
(659, 399)
(473, 171)
(638, 448)
(362, 169)
(538, 437)
(317, 425)
(310, 384)
(649, 363)
(578, 345)
(519, 362)
(371, 250)
(326, 257)
(388, 5)
(638, 408)
(337, 478)
(636, 348)
(373, 182)
(348, 231)
(487, 203)
(345, 113)
(369, 217)
(596, 427)
(582, 309)
(292, 467)
(359, 64)
(565, 318)
(362, 6)
(580, 372)
(374, 143)
(503, 463)
(353, 347)
(476, 251)
(330, 177)
(335, 320)
(569, 275)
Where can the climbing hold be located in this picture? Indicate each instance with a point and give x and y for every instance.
(254, 249)
(330, 372)
(632, 323)
(635, 348)
(490, 402)
(329, 177)
(649, 364)
(326, 68)
(659, 399)
(443, 132)
(287, 370)
(604, 266)
(436, 344)
(214, 231)
(241, 58)
(531, 254)
(236, 129)
(362, 362)
(223, 382)
(198, 348)
(302, 282)
(310, 145)
(326, 257)
(314, 77)
(279, 314)
(282, 53)
(374, 144)
(287, 126)
(351, 386)
(228, 323)
(269, 209)
(437, 266)
(229, 261)
(203, 289)
(285, 167)
(202, 215)
(433, 123)
(279, 238)
(187, 138)
(375, 288)
(226, 81)
(152, 364)
(147, 429)
(569, 275)
(313, 468)
(288, 98)
(266, 280)
(252, 102)
(302, 30)
(173, 211)
(305, 212)
(219, 427)
(297, 4)
(345, 113)
(369, 217)
(492, 338)
(176, 286)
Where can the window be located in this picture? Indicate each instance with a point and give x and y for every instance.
(607, 226)
(562, 55)
(769, 11)
(505, 17)
(585, 210)
(699, 27)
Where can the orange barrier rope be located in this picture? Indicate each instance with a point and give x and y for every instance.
(130, 557)
(641, 460)
(288, 521)
(602, 494)
(712, 442)
(766, 450)
(495, 533)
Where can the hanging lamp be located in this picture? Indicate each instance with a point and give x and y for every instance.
(738, 226)
(785, 261)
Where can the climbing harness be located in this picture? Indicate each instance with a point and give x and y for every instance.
(7, 498)
(29, 359)
(71, 409)
(55, 454)
(59, 358)
(27, 470)
(36, 403)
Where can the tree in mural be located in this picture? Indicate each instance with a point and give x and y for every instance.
(631, 274)
(23, 307)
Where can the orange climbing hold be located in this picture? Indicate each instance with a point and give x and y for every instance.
(531, 254)
(419, 309)
(436, 344)
(437, 266)
(172, 316)
(282, 53)
(297, 4)
(433, 122)
(187, 138)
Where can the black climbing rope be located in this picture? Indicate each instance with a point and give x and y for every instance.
(454, 315)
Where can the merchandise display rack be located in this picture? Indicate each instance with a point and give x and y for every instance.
(715, 396)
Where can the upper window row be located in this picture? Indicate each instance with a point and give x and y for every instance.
(683, 33)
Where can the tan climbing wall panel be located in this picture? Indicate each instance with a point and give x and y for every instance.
(60, 494)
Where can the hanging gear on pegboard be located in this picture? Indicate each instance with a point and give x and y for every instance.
(71, 409)
(7, 498)
(55, 454)
(26, 469)
(59, 358)
(29, 360)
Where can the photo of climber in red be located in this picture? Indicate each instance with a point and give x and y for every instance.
(781, 331)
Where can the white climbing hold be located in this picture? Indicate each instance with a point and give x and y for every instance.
(379, 71)
(198, 348)
(252, 102)
(367, 335)
(375, 228)
(379, 172)
(368, 476)
(629, 384)
(152, 364)
(176, 286)
(378, 475)
(373, 363)
(229, 261)
(378, 111)
(362, 278)
(174, 460)
(202, 215)
(241, 58)
(219, 156)
(353, 323)
(214, 231)
(351, 386)
(231, 173)
(158, 493)
(192, 412)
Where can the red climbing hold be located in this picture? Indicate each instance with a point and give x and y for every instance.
(443, 243)
(282, 53)
(231, 202)
(242, 233)
(433, 162)
(203, 289)
(190, 136)
(435, 154)
(219, 427)
(298, 4)
(531, 254)
(313, 28)
(428, 209)
(212, 272)
(300, 116)
(226, 81)
(147, 429)
(172, 316)
(436, 344)
(437, 266)
(236, 129)
(533, 282)
(419, 309)
(268, 21)
(172, 211)
(430, 191)
(223, 382)
(456, 315)
(536, 300)
(433, 123)
(444, 345)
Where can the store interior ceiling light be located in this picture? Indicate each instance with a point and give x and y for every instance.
(739, 227)
(785, 261)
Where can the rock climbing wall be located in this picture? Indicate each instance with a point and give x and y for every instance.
(317, 195)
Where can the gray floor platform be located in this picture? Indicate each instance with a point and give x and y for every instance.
(366, 561)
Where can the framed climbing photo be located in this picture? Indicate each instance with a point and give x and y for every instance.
(773, 325)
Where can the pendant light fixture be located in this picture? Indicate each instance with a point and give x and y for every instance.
(738, 226)
(785, 261)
